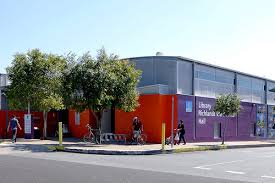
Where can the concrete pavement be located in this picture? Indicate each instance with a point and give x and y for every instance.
(32, 170)
(247, 165)
(75, 145)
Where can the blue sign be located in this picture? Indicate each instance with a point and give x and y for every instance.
(188, 106)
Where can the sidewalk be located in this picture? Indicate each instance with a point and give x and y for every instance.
(151, 149)
(75, 145)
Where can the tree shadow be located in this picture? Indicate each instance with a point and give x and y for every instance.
(35, 148)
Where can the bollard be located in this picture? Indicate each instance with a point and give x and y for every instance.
(163, 136)
(60, 133)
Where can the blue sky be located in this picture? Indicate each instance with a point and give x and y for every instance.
(238, 34)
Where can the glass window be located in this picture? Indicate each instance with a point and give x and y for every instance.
(223, 79)
(206, 75)
(196, 74)
(225, 76)
(258, 85)
(77, 118)
(244, 83)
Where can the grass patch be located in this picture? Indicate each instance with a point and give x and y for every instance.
(56, 148)
(200, 148)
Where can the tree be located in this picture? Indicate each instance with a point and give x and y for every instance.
(102, 83)
(36, 82)
(227, 105)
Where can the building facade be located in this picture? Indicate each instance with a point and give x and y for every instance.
(194, 86)
(37, 117)
(173, 89)
(4, 82)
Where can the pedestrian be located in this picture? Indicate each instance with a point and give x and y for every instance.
(137, 128)
(14, 123)
(181, 130)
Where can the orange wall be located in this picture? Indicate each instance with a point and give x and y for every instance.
(52, 120)
(153, 110)
(80, 130)
(2, 124)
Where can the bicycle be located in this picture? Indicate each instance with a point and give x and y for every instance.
(91, 136)
(141, 139)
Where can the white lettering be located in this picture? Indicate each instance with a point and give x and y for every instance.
(204, 106)
(202, 121)
(206, 113)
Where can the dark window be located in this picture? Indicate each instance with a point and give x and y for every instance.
(217, 130)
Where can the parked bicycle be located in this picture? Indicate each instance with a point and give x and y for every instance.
(140, 139)
(92, 136)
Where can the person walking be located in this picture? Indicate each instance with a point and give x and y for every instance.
(137, 129)
(181, 131)
(14, 123)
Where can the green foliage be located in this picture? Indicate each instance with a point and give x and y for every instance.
(36, 78)
(101, 83)
(228, 105)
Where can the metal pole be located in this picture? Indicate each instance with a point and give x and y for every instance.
(60, 133)
(172, 124)
(163, 136)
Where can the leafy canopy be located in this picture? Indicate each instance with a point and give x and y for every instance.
(101, 83)
(228, 105)
(36, 78)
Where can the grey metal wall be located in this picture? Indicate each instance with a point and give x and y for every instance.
(174, 76)
(166, 72)
(158, 70)
(146, 65)
(184, 82)
(3, 99)
(4, 80)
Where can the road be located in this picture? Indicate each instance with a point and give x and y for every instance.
(238, 165)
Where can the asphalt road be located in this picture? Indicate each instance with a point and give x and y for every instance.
(30, 170)
(246, 165)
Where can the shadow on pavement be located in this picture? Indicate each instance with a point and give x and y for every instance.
(25, 147)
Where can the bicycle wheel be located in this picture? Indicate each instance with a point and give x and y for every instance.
(142, 139)
(87, 138)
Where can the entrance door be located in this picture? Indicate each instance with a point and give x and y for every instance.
(106, 121)
(217, 130)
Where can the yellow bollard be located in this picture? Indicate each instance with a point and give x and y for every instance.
(60, 133)
(163, 136)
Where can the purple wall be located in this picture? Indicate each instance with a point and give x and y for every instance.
(188, 116)
(199, 119)
(246, 118)
(206, 118)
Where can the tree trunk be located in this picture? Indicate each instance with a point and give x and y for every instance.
(45, 117)
(113, 119)
(224, 130)
(98, 117)
(29, 107)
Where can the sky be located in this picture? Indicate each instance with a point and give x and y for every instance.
(236, 34)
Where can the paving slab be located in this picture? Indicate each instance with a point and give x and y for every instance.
(77, 146)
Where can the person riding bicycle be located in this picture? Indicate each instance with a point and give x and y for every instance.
(137, 128)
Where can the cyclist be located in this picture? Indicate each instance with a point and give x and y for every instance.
(137, 128)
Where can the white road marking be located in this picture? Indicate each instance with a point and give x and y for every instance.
(203, 168)
(234, 172)
(268, 177)
(247, 151)
(228, 162)
(269, 156)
